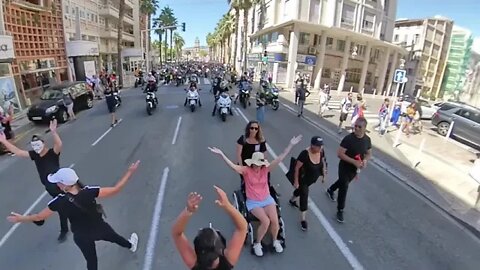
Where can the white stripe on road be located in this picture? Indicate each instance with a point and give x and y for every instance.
(320, 216)
(206, 81)
(152, 238)
(29, 210)
(105, 134)
(175, 135)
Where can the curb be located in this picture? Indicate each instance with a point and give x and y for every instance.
(401, 178)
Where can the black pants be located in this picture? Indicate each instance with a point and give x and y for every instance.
(344, 179)
(86, 242)
(302, 192)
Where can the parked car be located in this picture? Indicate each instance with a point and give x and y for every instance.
(465, 119)
(428, 110)
(51, 102)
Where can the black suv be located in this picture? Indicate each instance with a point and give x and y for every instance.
(51, 102)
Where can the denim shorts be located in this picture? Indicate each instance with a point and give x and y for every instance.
(252, 204)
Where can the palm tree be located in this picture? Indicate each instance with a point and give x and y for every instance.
(179, 43)
(210, 45)
(148, 7)
(121, 15)
(235, 4)
(245, 6)
(228, 27)
(157, 23)
(167, 19)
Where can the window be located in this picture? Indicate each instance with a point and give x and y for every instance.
(329, 42)
(416, 38)
(368, 21)
(304, 39)
(67, 8)
(348, 14)
(341, 45)
(314, 11)
(469, 114)
(4, 69)
(395, 39)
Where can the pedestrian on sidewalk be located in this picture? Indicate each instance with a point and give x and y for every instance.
(358, 109)
(210, 249)
(261, 97)
(47, 161)
(345, 106)
(298, 84)
(6, 127)
(78, 202)
(68, 103)
(383, 116)
(323, 102)
(310, 165)
(303, 93)
(354, 152)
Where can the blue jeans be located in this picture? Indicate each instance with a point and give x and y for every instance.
(261, 114)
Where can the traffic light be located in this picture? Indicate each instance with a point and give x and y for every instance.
(183, 27)
(265, 54)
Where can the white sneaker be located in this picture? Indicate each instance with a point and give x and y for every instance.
(257, 249)
(278, 246)
(134, 241)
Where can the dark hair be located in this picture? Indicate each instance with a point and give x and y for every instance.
(209, 245)
(259, 136)
(37, 138)
(362, 120)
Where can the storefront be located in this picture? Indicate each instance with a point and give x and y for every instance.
(8, 91)
(83, 59)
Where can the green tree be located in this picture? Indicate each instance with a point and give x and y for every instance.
(167, 18)
(179, 43)
(235, 4)
(148, 7)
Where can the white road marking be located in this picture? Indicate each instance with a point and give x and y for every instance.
(175, 135)
(105, 134)
(29, 210)
(206, 81)
(352, 260)
(152, 238)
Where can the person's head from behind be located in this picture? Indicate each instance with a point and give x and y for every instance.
(253, 129)
(209, 246)
(316, 144)
(65, 179)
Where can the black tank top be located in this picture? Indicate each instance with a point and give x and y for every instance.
(223, 264)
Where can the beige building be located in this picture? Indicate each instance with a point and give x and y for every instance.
(91, 31)
(427, 41)
(346, 44)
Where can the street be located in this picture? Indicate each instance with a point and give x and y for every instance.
(387, 226)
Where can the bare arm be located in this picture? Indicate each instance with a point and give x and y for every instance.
(180, 239)
(106, 192)
(57, 142)
(282, 156)
(239, 154)
(237, 168)
(235, 245)
(42, 215)
(12, 148)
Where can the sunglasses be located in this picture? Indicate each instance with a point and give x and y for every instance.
(253, 128)
(359, 126)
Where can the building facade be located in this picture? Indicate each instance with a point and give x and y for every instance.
(471, 90)
(345, 44)
(96, 21)
(39, 46)
(427, 41)
(457, 62)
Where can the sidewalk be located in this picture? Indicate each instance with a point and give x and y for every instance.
(442, 171)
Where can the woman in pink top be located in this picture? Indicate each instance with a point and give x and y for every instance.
(259, 201)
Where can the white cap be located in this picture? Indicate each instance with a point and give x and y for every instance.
(65, 176)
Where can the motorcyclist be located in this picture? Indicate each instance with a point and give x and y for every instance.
(193, 87)
(223, 87)
(151, 83)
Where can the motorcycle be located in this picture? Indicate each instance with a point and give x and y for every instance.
(194, 78)
(139, 81)
(152, 102)
(224, 105)
(192, 99)
(272, 97)
(179, 80)
(245, 89)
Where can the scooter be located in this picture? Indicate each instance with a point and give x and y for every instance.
(192, 99)
(272, 97)
(152, 102)
(179, 80)
(224, 105)
(245, 89)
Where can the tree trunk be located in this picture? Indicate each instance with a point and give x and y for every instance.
(235, 39)
(166, 46)
(229, 49)
(245, 31)
(171, 43)
(159, 49)
(121, 14)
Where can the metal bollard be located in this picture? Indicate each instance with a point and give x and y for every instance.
(419, 154)
(351, 89)
(449, 132)
(374, 92)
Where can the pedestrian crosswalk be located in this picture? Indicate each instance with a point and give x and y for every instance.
(372, 117)
(205, 81)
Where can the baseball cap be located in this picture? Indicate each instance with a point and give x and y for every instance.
(65, 176)
(316, 141)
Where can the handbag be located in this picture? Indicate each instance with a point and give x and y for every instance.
(98, 207)
(291, 171)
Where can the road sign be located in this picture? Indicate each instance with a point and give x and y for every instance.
(265, 59)
(399, 76)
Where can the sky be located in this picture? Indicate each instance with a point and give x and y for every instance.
(201, 16)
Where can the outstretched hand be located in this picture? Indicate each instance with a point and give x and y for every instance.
(295, 140)
(222, 200)
(53, 125)
(134, 166)
(193, 202)
(215, 150)
(14, 217)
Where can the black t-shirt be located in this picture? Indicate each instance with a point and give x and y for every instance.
(356, 147)
(82, 220)
(248, 149)
(47, 164)
(223, 264)
(310, 170)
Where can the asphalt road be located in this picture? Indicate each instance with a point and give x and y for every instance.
(387, 226)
